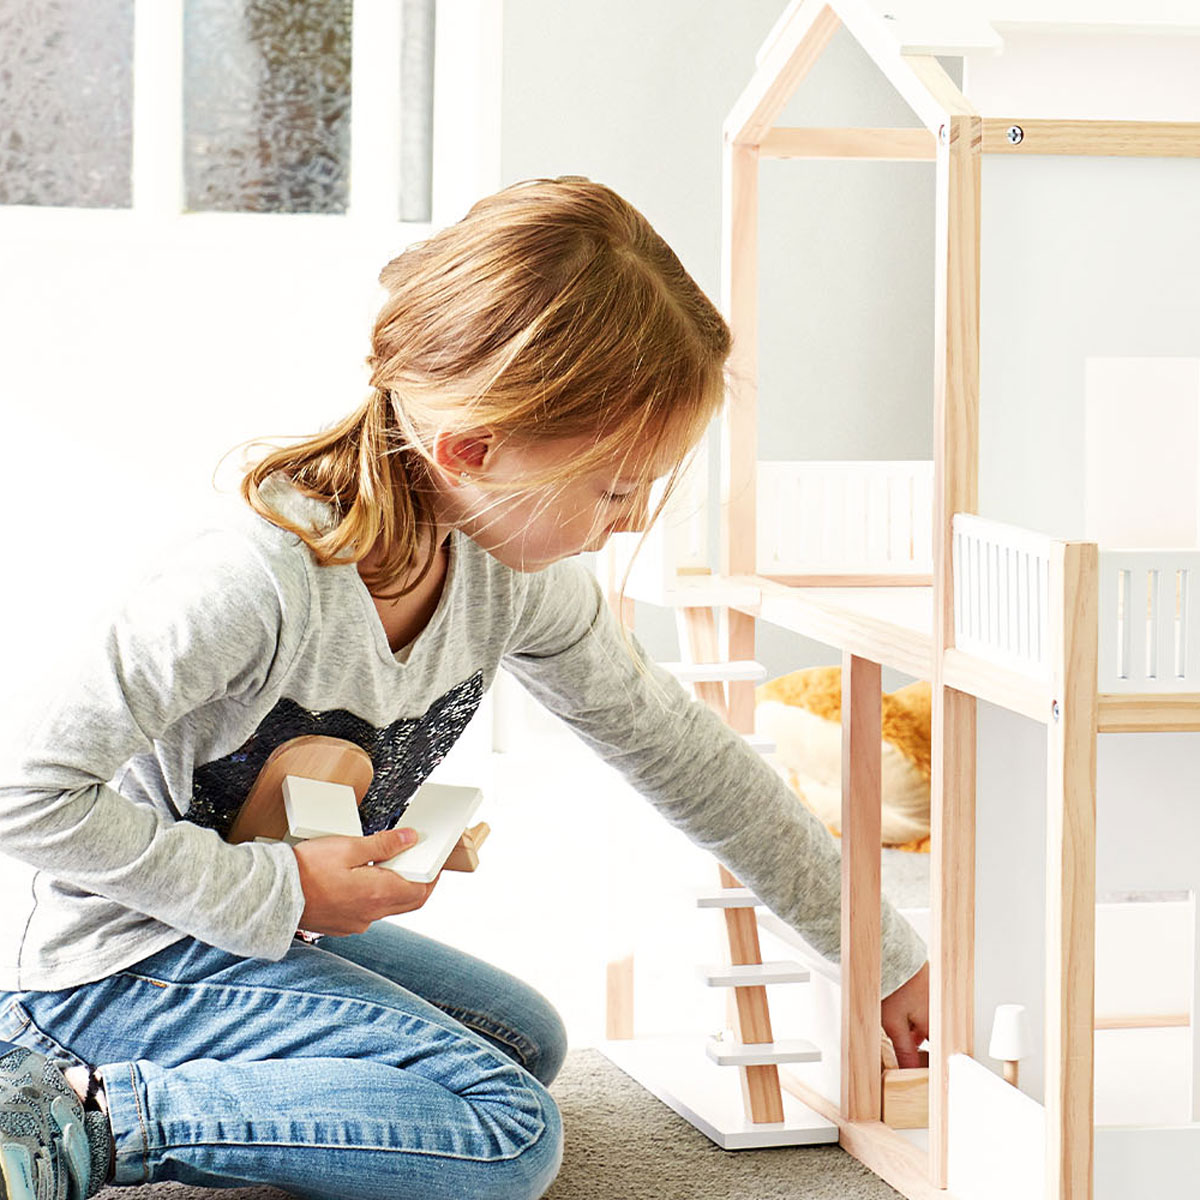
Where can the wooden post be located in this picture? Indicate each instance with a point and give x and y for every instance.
(956, 489)
(739, 276)
(862, 1097)
(1071, 872)
(698, 640)
(618, 1010)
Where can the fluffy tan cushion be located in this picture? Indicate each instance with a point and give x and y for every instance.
(801, 714)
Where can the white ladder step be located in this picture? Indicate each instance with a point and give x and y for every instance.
(761, 1054)
(754, 974)
(738, 897)
(718, 672)
(756, 741)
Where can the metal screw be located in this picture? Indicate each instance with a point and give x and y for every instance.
(1015, 135)
(1055, 711)
(944, 135)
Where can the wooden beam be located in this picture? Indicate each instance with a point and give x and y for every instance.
(861, 933)
(997, 685)
(798, 43)
(1071, 873)
(881, 1150)
(920, 79)
(1124, 139)
(698, 635)
(760, 1084)
(739, 443)
(952, 907)
(956, 355)
(618, 1010)
(740, 644)
(842, 581)
(739, 300)
(947, 96)
(873, 145)
(956, 489)
(819, 616)
(1145, 1021)
(1152, 712)
(892, 1157)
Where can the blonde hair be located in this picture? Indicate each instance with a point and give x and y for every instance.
(551, 310)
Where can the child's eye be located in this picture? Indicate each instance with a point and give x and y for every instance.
(617, 497)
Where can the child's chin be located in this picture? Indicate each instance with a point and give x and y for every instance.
(525, 563)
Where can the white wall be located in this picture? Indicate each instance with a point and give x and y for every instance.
(131, 364)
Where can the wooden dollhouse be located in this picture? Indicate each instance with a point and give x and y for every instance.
(892, 563)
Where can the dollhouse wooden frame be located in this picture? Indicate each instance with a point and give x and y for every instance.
(993, 613)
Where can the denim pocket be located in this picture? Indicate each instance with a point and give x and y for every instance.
(13, 1018)
(17, 1026)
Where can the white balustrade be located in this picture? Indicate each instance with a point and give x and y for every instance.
(1149, 621)
(845, 518)
(1002, 594)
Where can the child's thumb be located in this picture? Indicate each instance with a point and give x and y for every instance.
(387, 844)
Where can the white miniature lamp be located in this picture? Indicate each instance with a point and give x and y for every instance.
(1010, 1039)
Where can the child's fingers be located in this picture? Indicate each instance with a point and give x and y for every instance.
(906, 1045)
(379, 847)
(343, 892)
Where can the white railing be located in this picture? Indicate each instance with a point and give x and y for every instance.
(1149, 621)
(845, 518)
(835, 519)
(1002, 594)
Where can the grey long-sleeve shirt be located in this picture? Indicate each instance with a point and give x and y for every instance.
(114, 802)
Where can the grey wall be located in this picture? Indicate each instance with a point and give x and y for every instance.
(634, 95)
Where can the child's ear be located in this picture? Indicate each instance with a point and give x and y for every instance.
(459, 454)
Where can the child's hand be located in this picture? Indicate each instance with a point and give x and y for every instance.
(343, 892)
(905, 1016)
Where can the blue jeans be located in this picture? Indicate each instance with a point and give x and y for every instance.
(378, 1065)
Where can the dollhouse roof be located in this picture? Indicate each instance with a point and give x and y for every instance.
(906, 37)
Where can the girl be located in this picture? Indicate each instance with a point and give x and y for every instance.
(535, 369)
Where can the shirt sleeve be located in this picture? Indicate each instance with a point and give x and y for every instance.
(570, 653)
(203, 632)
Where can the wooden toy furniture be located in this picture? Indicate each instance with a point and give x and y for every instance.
(891, 563)
(333, 760)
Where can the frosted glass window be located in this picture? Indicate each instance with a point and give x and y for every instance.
(66, 102)
(267, 105)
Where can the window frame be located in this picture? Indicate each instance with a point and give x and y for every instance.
(466, 137)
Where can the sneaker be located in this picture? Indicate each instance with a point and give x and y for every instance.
(50, 1149)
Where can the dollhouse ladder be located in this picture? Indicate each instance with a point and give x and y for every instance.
(766, 1117)
(756, 1053)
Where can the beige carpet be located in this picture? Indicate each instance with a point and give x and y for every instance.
(622, 1144)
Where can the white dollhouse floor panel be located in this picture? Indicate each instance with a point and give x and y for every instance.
(889, 625)
(677, 1071)
(908, 607)
(1142, 1076)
